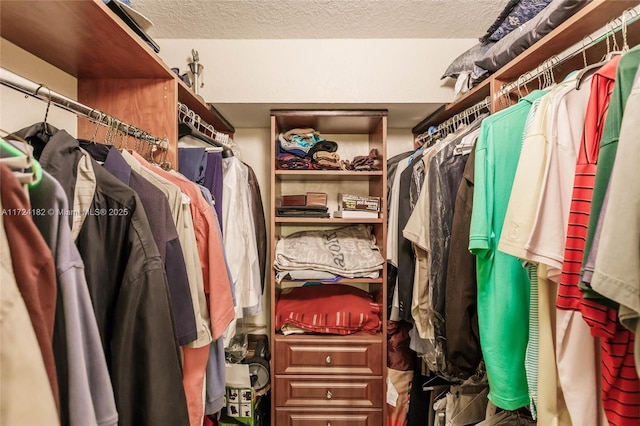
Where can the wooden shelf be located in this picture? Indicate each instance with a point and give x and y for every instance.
(332, 121)
(342, 281)
(88, 41)
(81, 37)
(469, 99)
(324, 221)
(206, 111)
(332, 175)
(327, 338)
(590, 18)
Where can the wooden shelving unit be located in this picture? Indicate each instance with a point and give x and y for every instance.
(117, 72)
(333, 379)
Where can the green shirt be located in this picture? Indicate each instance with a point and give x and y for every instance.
(625, 75)
(503, 286)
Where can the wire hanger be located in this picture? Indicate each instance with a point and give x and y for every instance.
(45, 125)
(590, 69)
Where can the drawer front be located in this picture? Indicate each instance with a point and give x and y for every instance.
(333, 357)
(328, 391)
(328, 418)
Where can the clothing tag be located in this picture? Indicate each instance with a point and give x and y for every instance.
(392, 393)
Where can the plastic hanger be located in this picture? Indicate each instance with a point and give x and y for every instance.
(15, 152)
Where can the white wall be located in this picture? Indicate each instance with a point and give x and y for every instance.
(331, 71)
(16, 112)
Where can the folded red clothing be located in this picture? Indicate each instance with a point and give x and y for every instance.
(329, 308)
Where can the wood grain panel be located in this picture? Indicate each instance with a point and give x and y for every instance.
(328, 391)
(208, 113)
(145, 103)
(330, 121)
(338, 356)
(81, 37)
(285, 417)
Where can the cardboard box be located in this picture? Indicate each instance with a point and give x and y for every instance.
(358, 202)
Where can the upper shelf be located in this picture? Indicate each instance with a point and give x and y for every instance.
(85, 39)
(333, 121)
(590, 18)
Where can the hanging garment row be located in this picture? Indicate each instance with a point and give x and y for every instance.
(127, 281)
(526, 264)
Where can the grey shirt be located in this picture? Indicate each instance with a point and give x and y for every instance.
(86, 394)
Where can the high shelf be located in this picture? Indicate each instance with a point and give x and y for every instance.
(117, 72)
(583, 23)
(330, 379)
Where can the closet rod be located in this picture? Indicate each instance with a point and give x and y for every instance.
(42, 92)
(457, 118)
(571, 52)
(190, 117)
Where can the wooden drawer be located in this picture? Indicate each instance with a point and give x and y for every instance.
(328, 418)
(343, 355)
(328, 391)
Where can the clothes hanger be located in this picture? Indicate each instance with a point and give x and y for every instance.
(164, 164)
(36, 168)
(187, 129)
(590, 69)
(45, 125)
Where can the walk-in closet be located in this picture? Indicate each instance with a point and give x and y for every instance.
(319, 212)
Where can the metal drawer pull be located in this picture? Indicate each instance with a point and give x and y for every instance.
(329, 394)
(328, 423)
(327, 360)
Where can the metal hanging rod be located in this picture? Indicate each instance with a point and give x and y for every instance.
(463, 116)
(186, 115)
(615, 25)
(42, 92)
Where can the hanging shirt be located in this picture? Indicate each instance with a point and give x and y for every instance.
(499, 274)
(80, 361)
(128, 288)
(213, 181)
(22, 371)
(625, 74)
(237, 240)
(547, 237)
(569, 295)
(164, 234)
(443, 179)
(257, 212)
(617, 271)
(461, 319)
(209, 249)
(33, 267)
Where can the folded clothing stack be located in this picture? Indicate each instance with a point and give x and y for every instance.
(304, 149)
(365, 162)
(328, 308)
(298, 142)
(349, 251)
(302, 211)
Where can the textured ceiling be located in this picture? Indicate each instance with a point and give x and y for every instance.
(319, 19)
